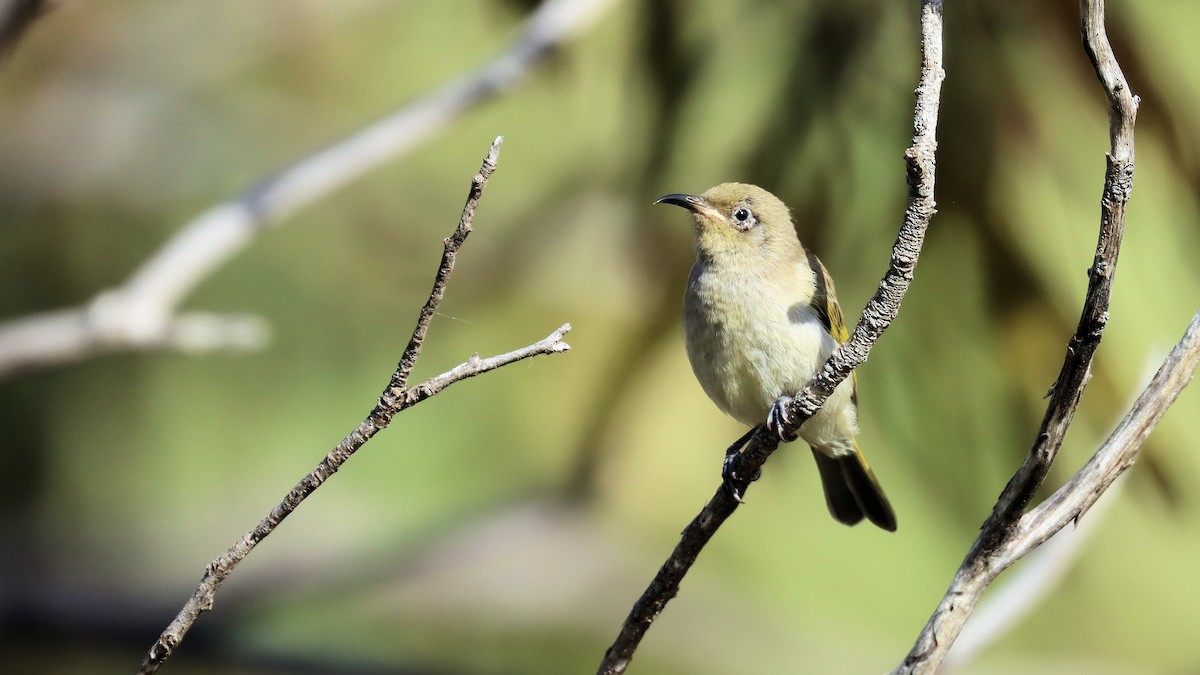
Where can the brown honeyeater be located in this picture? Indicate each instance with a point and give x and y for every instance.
(760, 317)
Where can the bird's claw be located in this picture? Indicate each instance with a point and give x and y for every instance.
(733, 482)
(729, 477)
(778, 418)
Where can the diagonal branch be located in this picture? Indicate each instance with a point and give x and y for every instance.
(986, 558)
(1040, 531)
(140, 313)
(394, 399)
(1118, 452)
(879, 313)
(1026, 588)
(1065, 506)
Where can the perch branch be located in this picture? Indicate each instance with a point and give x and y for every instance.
(141, 313)
(987, 556)
(879, 313)
(397, 396)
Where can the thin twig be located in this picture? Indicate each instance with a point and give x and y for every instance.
(393, 400)
(138, 314)
(879, 313)
(986, 559)
(451, 244)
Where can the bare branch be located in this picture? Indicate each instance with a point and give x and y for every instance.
(393, 400)
(138, 314)
(1076, 370)
(879, 313)
(551, 344)
(1044, 567)
(987, 556)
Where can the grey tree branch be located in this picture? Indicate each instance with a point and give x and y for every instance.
(1066, 505)
(988, 555)
(1117, 454)
(449, 253)
(397, 396)
(879, 313)
(1026, 588)
(142, 313)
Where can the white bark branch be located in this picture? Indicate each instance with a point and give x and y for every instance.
(142, 313)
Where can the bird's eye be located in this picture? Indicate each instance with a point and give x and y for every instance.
(743, 218)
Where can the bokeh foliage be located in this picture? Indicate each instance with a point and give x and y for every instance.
(508, 524)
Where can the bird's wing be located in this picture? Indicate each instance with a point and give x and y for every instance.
(824, 301)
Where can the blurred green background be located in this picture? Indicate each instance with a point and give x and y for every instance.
(507, 525)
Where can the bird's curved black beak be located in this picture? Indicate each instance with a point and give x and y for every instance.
(694, 203)
(689, 202)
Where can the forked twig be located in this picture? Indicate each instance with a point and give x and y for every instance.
(397, 396)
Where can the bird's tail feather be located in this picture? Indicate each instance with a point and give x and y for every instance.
(851, 490)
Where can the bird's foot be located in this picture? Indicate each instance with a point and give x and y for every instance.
(732, 481)
(778, 418)
(734, 484)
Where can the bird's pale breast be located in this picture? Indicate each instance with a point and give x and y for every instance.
(753, 338)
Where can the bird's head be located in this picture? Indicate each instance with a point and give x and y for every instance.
(737, 220)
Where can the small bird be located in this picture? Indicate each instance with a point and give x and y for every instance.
(760, 317)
